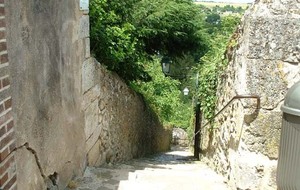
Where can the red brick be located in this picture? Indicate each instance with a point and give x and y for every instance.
(10, 125)
(2, 35)
(2, 23)
(4, 179)
(4, 167)
(6, 140)
(11, 182)
(5, 82)
(7, 104)
(2, 131)
(12, 147)
(4, 58)
(4, 154)
(7, 164)
(1, 107)
(5, 118)
(3, 46)
(2, 11)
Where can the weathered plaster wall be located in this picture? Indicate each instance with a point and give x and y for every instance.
(46, 45)
(244, 145)
(69, 111)
(118, 124)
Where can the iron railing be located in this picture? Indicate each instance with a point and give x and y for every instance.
(237, 97)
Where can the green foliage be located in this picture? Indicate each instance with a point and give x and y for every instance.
(213, 22)
(229, 24)
(113, 42)
(163, 95)
(212, 64)
(229, 8)
(180, 66)
(171, 27)
(126, 34)
(213, 18)
(208, 84)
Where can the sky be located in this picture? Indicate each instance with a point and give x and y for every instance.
(234, 1)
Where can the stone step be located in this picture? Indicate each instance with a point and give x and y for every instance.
(161, 173)
(169, 185)
(169, 171)
(169, 179)
(136, 185)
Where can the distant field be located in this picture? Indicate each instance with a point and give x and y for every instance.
(212, 4)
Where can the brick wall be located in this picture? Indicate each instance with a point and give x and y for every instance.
(7, 142)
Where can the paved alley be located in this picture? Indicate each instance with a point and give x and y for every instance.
(174, 170)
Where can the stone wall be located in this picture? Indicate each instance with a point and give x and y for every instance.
(7, 137)
(118, 124)
(244, 144)
(69, 112)
(46, 46)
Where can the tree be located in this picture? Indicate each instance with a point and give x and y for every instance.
(125, 34)
(164, 96)
(171, 27)
(113, 42)
(213, 19)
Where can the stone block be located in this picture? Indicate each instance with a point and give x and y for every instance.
(274, 38)
(290, 73)
(90, 96)
(270, 87)
(93, 138)
(246, 177)
(91, 119)
(89, 75)
(263, 134)
(94, 154)
(87, 48)
(180, 137)
(84, 27)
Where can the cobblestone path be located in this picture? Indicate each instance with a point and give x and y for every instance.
(174, 170)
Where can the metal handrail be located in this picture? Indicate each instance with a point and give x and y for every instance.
(234, 98)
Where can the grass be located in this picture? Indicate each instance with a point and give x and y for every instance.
(213, 4)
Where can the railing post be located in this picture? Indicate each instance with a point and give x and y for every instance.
(197, 131)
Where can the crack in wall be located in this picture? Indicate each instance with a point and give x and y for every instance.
(90, 136)
(32, 151)
(53, 178)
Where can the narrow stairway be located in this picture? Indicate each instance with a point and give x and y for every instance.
(174, 170)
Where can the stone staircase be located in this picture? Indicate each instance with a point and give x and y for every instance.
(176, 178)
(174, 170)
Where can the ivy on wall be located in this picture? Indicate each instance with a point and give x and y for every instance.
(213, 63)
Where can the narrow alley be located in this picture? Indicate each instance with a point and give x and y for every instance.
(172, 170)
